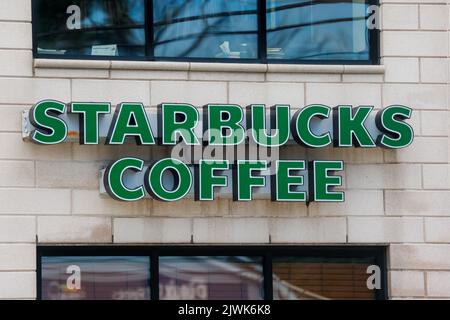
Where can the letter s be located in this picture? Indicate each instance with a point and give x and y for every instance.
(49, 128)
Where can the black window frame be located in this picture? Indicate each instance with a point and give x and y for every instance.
(374, 45)
(267, 253)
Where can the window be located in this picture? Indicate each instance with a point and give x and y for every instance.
(317, 30)
(205, 29)
(264, 31)
(210, 278)
(210, 273)
(95, 278)
(90, 27)
(321, 278)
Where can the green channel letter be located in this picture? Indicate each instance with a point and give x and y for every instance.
(130, 120)
(89, 116)
(279, 119)
(396, 134)
(301, 126)
(171, 127)
(182, 177)
(246, 181)
(113, 180)
(222, 117)
(284, 180)
(208, 180)
(349, 128)
(49, 128)
(321, 181)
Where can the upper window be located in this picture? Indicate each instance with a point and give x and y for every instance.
(205, 29)
(317, 30)
(296, 31)
(90, 28)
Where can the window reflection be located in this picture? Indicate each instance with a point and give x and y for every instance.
(95, 278)
(205, 28)
(91, 27)
(210, 278)
(320, 279)
(317, 30)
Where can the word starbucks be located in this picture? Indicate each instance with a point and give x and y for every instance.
(314, 126)
(224, 124)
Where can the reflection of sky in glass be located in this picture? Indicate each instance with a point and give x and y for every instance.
(276, 3)
(118, 24)
(98, 13)
(296, 29)
(209, 29)
(199, 7)
(309, 30)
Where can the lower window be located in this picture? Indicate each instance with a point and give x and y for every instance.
(211, 273)
(210, 278)
(321, 278)
(95, 278)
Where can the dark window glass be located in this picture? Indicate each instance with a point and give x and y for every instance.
(95, 278)
(90, 27)
(321, 278)
(317, 30)
(210, 278)
(205, 28)
(297, 30)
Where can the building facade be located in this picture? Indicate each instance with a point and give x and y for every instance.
(396, 213)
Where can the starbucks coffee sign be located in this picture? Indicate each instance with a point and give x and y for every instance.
(207, 134)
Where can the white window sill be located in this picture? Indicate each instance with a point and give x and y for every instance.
(206, 67)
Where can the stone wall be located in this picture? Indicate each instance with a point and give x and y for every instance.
(50, 194)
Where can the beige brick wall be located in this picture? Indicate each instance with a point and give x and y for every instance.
(395, 198)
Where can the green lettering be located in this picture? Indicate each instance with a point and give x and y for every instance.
(113, 180)
(182, 179)
(224, 124)
(301, 126)
(349, 128)
(285, 182)
(130, 119)
(246, 181)
(49, 128)
(89, 116)
(171, 126)
(279, 118)
(396, 134)
(208, 180)
(320, 181)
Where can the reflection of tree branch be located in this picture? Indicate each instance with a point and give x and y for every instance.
(157, 34)
(208, 22)
(306, 4)
(204, 32)
(206, 16)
